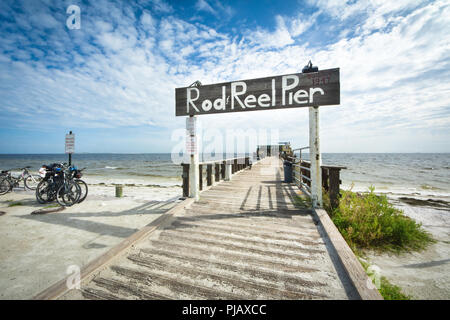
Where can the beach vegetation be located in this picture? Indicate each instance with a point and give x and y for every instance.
(387, 290)
(370, 221)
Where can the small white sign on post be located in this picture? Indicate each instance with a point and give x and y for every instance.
(70, 143)
(191, 145)
(191, 125)
(191, 141)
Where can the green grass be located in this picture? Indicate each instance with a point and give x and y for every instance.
(369, 221)
(387, 290)
(391, 292)
(14, 204)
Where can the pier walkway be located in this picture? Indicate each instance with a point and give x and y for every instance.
(245, 239)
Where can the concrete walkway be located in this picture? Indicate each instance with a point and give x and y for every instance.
(244, 239)
(36, 251)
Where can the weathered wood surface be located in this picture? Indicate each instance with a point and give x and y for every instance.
(244, 239)
(270, 87)
(359, 278)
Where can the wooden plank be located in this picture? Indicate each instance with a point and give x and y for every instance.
(353, 268)
(276, 92)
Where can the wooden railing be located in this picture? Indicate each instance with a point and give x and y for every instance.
(219, 167)
(330, 177)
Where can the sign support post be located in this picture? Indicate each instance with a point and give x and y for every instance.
(315, 157)
(192, 149)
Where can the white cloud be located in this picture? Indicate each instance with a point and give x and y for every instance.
(279, 38)
(392, 80)
(203, 5)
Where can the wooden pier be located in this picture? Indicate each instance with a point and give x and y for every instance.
(245, 239)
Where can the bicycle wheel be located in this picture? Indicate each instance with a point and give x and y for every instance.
(43, 192)
(84, 190)
(68, 194)
(5, 186)
(31, 182)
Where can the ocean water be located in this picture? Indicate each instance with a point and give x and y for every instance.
(404, 174)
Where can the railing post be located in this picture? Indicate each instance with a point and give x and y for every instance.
(235, 166)
(217, 172)
(228, 170)
(325, 184)
(334, 186)
(200, 177)
(209, 174)
(185, 177)
(223, 165)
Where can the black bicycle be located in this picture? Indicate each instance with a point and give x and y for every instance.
(77, 174)
(63, 184)
(8, 182)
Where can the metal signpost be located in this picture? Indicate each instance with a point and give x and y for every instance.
(70, 145)
(311, 88)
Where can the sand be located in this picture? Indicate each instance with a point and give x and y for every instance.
(37, 250)
(425, 274)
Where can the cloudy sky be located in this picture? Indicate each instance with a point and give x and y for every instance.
(113, 80)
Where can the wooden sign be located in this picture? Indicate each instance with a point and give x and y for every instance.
(70, 143)
(286, 91)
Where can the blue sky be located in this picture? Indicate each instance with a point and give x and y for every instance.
(112, 81)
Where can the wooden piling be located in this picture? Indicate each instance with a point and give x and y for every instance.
(217, 172)
(334, 186)
(209, 174)
(222, 165)
(200, 177)
(185, 177)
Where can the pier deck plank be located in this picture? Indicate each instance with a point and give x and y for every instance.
(244, 239)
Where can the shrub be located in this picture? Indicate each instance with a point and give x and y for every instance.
(367, 220)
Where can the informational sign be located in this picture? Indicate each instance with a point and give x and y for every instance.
(191, 125)
(70, 143)
(191, 142)
(279, 92)
(191, 145)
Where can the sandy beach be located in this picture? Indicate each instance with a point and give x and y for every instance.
(37, 249)
(424, 274)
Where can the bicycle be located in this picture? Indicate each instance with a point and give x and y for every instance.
(58, 184)
(8, 182)
(76, 176)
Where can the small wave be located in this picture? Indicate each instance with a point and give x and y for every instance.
(160, 186)
(427, 187)
(113, 168)
(152, 175)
